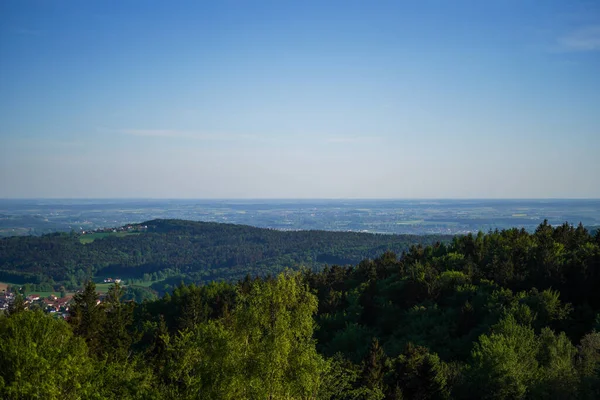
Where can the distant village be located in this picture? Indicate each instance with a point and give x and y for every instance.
(125, 228)
(51, 304)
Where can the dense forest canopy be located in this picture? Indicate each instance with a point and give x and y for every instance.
(197, 251)
(503, 315)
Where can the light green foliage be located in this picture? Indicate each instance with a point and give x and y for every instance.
(588, 365)
(274, 325)
(264, 349)
(547, 307)
(339, 378)
(123, 380)
(558, 378)
(504, 362)
(41, 359)
(513, 363)
(589, 354)
(203, 364)
(448, 280)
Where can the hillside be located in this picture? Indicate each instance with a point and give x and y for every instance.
(197, 251)
(504, 315)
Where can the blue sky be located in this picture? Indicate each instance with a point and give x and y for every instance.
(311, 99)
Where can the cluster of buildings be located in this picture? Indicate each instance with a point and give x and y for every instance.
(51, 304)
(126, 228)
(6, 299)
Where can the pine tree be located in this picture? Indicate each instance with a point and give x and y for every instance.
(17, 306)
(374, 366)
(115, 338)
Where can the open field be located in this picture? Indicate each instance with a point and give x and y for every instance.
(3, 286)
(43, 294)
(89, 238)
(103, 287)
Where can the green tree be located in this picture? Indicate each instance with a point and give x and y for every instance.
(262, 349)
(87, 316)
(274, 325)
(41, 359)
(417, 374)
(558, 376)
(123, 380)
(17, 306)
(374, 367)
(504, 363)
(115, 338)
(588, 365)
(63, 292)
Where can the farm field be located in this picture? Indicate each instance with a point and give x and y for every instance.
(43, 295)
(89, 238)
(103, 287)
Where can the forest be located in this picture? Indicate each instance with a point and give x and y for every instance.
(503, 315)
(186, 250)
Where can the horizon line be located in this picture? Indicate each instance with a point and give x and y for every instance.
(297, 198)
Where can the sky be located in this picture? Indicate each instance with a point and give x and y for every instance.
(300, 99)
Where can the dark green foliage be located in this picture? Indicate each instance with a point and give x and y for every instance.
(487, 309)
(374, 367)
(17, 306)
(201, 251)
(116, 337)
(88, 317)
(417, 374)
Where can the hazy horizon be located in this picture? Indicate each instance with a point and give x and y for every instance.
(285, 100)
(308, 198)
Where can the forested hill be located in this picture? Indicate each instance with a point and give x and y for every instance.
(504, 315)
(198, 251)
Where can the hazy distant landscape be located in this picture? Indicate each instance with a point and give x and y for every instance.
(299, 200)
(25, 217)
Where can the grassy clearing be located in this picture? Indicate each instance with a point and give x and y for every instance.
(89, 238)
(43, 295)
(3, 286)
(103, 287)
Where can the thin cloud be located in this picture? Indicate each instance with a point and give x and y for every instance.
(582, 39)
(178, 134)
(161, 133)
(352, 139)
